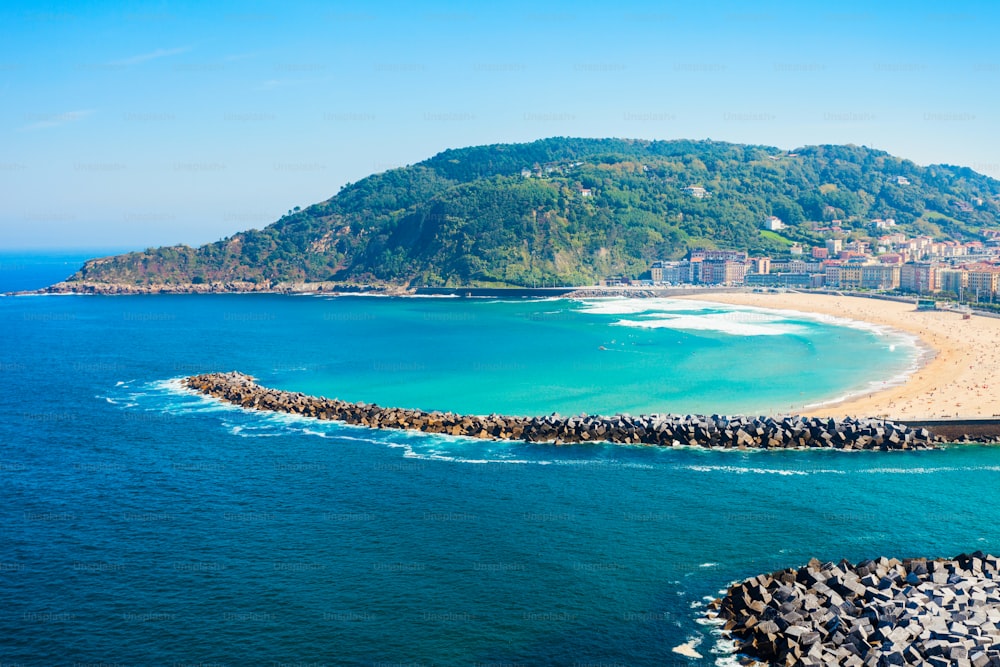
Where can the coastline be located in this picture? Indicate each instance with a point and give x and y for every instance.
(953, 381)
(296, 288)
(331, 288)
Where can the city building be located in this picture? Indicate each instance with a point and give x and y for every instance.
(982, 282)
(880, 276)
(722, 272)
(719, 255)
(918, 278)
(788, 280)
(760, 265)
(953, 281)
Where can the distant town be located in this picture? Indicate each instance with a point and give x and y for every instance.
(893, 262)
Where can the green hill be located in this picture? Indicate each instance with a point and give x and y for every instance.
(568, 211)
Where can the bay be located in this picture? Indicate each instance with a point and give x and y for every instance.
(143, 525)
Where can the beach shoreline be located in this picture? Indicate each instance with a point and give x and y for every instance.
(953, 379)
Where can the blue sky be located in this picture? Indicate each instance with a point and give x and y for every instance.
(141, 124)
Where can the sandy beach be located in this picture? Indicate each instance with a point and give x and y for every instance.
(960, 380)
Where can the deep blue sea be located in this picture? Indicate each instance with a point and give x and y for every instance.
(144, 525)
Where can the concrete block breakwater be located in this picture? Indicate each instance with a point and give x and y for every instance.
(878, 612)
(663, 430)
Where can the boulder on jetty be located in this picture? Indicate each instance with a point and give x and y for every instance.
(877, 612)
(716, 431)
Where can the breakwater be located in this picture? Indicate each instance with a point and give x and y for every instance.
(878, 612)
(715, 431)
(962, 430)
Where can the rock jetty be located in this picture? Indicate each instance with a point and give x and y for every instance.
(878, 612)
(729, 432)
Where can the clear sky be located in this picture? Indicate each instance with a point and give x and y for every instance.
(148, 123)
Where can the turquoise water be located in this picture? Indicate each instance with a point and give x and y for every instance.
(538, 357)
(143, 525)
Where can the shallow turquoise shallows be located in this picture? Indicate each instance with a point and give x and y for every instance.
(143, 525)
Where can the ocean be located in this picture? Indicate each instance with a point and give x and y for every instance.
(145, 525)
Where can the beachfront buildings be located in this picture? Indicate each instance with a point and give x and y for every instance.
(918, 278)
(893, 262)
(703, 267)
(982, 281)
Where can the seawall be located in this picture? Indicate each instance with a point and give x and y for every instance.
(961, 430)
(716, 431)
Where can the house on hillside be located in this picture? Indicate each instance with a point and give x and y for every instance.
(774, 224)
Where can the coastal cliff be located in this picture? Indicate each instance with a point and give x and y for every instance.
(714, 431)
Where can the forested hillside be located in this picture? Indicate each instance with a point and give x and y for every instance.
(568, 211)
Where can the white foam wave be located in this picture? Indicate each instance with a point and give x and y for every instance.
(739, 470)
(626, 306)
(726, 323)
